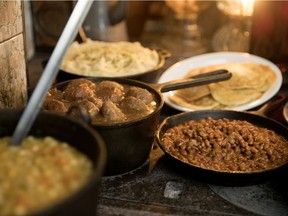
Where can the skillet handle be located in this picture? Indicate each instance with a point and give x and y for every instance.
(270, 106)
(203, 79)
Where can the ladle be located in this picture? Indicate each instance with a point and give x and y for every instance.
(49, 74)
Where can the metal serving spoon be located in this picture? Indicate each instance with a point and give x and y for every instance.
(50, 72)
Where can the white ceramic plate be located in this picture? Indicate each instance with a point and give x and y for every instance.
(180, 69)
(285, 112)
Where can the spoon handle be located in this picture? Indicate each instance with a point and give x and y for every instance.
(49, 74)
(202, 79)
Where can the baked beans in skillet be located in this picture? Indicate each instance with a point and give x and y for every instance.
(226, 145)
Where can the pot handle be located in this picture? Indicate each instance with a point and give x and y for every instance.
(197, 80)
(270, 106)
(163, 53)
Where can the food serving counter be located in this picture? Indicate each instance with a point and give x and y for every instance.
(161, 187)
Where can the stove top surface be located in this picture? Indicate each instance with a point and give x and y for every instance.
(159, 187)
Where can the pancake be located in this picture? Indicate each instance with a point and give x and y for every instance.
(207, 102)
(247, 76)
(248, 83)
(192, 94)
(233, 97)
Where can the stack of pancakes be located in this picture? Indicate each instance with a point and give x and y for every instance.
(248, 83)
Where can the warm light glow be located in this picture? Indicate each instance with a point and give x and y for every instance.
(237, 7)
(247, 7)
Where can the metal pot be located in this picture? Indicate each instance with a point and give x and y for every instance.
(78, 135)
(129, 143)
(257, 118)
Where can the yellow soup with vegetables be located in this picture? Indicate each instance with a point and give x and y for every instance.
(39, 173)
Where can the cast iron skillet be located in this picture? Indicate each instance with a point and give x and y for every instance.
(257, 118)
(150, 76)
(129, 143)
(78, 135)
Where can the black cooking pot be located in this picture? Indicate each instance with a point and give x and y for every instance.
(150, 76)
(78, 135)
(234, 178)
(129, 143)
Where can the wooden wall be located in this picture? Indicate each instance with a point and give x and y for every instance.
(13, 79)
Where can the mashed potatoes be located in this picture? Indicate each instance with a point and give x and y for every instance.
(109, 59)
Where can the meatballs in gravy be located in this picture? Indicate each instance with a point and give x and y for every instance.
(105, 101)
